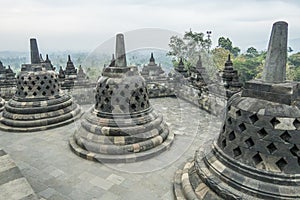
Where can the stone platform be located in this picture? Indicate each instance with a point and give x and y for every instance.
(55, 173)
(13, 185)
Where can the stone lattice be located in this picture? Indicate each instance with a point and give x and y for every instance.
(257, 154)
(38, 103)
(122, 126)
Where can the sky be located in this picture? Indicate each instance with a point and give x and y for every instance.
(82, 25)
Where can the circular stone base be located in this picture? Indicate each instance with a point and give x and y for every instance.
(76, 114)
(215, 176)
(125, 158)
(184, 189)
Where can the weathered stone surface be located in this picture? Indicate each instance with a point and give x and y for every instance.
(257, 153)
(122, 126)
(275, 67)
(12, 183)
(38, 103)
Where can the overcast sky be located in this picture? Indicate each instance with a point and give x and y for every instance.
(85, 24)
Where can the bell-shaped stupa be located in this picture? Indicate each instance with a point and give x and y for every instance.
(122, 126)
(257, 154)
(39, 103)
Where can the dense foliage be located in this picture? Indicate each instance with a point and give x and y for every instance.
(249, 64)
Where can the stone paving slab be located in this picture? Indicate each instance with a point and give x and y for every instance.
(55, 172)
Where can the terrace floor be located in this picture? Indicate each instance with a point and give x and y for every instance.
(55, 172)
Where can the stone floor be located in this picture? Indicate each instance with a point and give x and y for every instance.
(54, 172)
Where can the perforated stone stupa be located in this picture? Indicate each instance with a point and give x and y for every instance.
(38, 103)
(7, 82)
(122, 126)
(153, 71)
(257, 154)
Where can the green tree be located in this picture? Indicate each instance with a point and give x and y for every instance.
(227, 44)
(294, 59)
(220, 56)
(251, 52)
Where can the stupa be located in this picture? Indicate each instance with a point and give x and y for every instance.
(153, 71)
(257, 154)
(7, 82)
(181, 68)
(122, 126)
(39, 103)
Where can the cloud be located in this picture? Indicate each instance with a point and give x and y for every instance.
(84, 24)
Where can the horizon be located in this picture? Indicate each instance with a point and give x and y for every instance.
(77, 25)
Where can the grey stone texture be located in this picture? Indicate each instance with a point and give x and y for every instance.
(13, 185)
(256, 155)
(275, 67)
(39, 103)
(7, 82)
(54, 172)
(122, 126)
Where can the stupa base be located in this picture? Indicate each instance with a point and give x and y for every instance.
(124, 158)
(216, 176)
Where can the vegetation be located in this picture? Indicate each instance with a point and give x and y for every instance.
(249, 64)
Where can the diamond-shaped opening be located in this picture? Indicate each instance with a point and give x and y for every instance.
(242, 127)
(281, 163)
(143, 105)
(106, 100)
(47, 87)
(249, 142)
(42, 82)
(262, 133)
(107, 86)
(127, 86)
(296, 123)
(285, 136)
(137, 98)
(237, 152)
(253, 118)
(122, 107)
(38, 88)
(294, 150)
(231, 136)
(133, 106)
(37, 78)
(238, 113)
(257, 159)
(141, 90)
(229, 120)
(271, 148)
(223, 144)
(122, 93)
(44, 93)
(34, 94)
(274, 121)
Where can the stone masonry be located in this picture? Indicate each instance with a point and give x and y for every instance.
(122, 126)
(39, 103)
(257, 153)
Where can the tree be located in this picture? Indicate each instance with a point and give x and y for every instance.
(220, 56)
(294, 59)
(251, 52)
(189, 47)
(227, 44)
